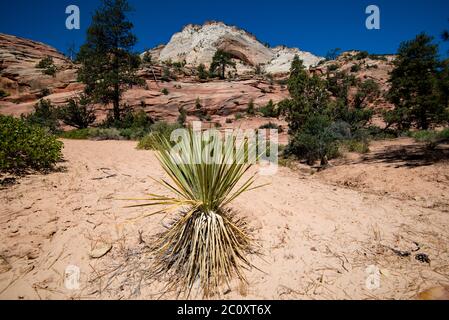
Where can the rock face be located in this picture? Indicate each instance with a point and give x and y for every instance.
(19, 76)
(220, 99)
(198, 44)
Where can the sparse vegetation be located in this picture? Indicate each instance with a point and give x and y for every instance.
(47, 65)
(270, 110)
(3, 94)
(182, 116)
(251, 108)
(165, 91)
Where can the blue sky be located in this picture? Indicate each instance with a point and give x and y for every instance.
(315, 26)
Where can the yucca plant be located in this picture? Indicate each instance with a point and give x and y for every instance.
(206, 245)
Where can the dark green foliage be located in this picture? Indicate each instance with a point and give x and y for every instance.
(182, 116)
(3, 94)
(332, 67)
(44, 115)
(44, 92)
(251, 110)
(269, 110)
(199, 110)
(315, 140)
(167, 75)
(361, 55)
(431, 138)
(414, 85)
(147, 59)
(165, 91)
(220, 62)
(202, 72)
(24, 146)
(78, 113)
(355, 68)
(332, 54)
(47, 65)
(108, 67)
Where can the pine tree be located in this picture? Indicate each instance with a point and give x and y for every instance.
(221, 61)
(108, 65)
(414, 85)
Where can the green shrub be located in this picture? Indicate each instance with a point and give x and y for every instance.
(78, 113)
(44, 115)
(238, 116)
(77, 134)
(163, 129)
(202, 72)
(332, 67)
(3, 94)
(228, 120)
(361, 55)
(431, 138)
(24, 146)
(105, 134)
(315, 141)
(269, 110)
(356, 146)
(165, 91)
(355, 68)
(251, 109)
(48, 66)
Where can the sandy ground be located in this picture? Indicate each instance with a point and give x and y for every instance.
(319, 233)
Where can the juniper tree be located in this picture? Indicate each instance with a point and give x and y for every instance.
(220, 62)
(414, 85)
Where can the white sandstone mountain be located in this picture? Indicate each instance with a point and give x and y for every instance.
(197, 44)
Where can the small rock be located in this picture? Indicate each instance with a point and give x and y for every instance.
(100, 250)
(436, 293)
(422, 257)
(4, 265)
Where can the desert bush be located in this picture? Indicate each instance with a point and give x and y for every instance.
(269, 110)
(159, 129)
(165, 91)
(48, 66)
(182, 116)
(77, 134)
(77, 113)
(353, 145)
(24, 146)
(315, 141)
(206, 245)
(251, 109)
(430, 137)
(44, 115)
(3, 94)
(202, 72)
(332, 67)
(355, 68)
(105, 134)
(228, 120)
(238, 116)
(361, 55)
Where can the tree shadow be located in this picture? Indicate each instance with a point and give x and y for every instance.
(409, 156)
